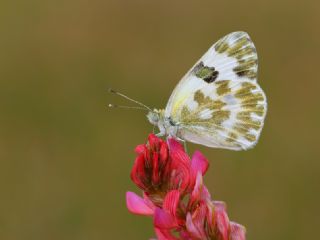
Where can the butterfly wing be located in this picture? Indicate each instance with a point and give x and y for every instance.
(226, 114)
(218, 102)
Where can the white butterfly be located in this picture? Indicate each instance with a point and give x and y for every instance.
(218, 103)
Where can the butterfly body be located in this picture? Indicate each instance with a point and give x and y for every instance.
(166, 125)
(218, 103)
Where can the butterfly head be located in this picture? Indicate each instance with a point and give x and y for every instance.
(166, 126)
(155, 116)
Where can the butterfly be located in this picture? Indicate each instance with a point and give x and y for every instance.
(218, 103)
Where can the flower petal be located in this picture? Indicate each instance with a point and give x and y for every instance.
(148, 201)
(220, 205)
(164, 234)
(174, 145)
(138, 174)
(155, 168)
(198, 164)
(180, 165)
(199, 218)
(185, 235)
(163, 154)
(237, 231)
(210, 214)
(171, 202)
(140, 149)
(163, 219)
(138, 205)
(197, 190)
(221, 221)
(154, 142)
(192, 229)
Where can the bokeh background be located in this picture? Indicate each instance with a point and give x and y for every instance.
(65, 158)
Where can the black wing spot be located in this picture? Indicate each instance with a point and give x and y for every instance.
(207, 74)
(211, 78)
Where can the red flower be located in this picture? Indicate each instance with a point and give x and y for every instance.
(161, 167)
(175, 196)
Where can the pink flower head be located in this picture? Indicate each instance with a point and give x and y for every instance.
(160, 167)
(175, 196)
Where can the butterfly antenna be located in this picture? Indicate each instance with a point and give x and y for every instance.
(130, 99)
(127, 107)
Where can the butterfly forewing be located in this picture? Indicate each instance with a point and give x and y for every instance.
(218, 102)
(234, 56)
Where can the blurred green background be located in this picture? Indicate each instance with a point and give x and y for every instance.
(65, 159)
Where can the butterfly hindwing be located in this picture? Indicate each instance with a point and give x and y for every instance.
(226, 115)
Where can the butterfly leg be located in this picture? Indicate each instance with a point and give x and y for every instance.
(160, 134)
(185, 146)
(162, 131)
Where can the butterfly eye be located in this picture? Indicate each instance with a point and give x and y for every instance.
(172, 123)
